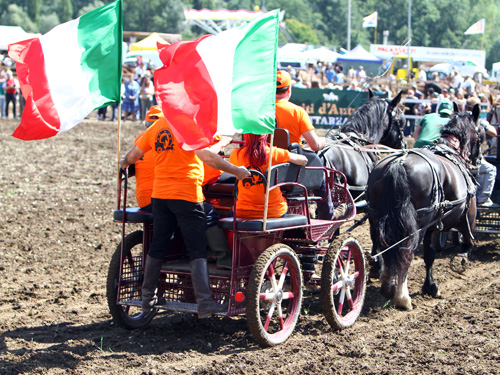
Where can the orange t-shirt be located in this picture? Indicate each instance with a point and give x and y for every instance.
(178, 173)
(293, 118)
(251, 193)
(144, 176)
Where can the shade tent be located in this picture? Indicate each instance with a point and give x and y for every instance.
(322, 54)
(148, 43)
(359, 55)
(13, 34)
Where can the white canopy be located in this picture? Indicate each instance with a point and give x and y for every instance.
(12, 34)
(322, 54)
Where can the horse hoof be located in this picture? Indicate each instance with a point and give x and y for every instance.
(431, 290)
(404, 304)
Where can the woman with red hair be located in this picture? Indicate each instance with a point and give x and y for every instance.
(251, 191)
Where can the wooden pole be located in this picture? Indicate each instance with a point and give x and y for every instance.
(266, 198)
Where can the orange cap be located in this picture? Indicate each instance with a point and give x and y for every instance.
(154, 113)
(283, 79)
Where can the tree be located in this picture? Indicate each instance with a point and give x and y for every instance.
(33, 8)
(16, 16)
(302, 33)
(65, 10)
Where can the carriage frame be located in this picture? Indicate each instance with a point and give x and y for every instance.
(269, 266)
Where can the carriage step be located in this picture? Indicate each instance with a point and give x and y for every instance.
(183, 266)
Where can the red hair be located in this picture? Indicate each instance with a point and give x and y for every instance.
(255, 149)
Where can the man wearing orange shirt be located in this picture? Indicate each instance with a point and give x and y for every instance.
(292, 117)
(295, 119)
(178, 200)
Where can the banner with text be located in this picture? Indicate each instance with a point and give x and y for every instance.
(327, 107)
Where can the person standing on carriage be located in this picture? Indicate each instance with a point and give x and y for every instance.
(295, 119)
(177, 200)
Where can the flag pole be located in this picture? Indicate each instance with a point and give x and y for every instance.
(375, 38)
(266, 198)
(118, 186)
(482, 40)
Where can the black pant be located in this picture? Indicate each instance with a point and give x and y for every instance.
(10, 98)
(190, 216)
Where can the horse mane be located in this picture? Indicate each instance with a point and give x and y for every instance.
(366, 120)
(462, 126)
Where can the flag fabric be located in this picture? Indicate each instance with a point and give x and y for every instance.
(371, 20)
(224, 83)
(477, 28)
(68, 72)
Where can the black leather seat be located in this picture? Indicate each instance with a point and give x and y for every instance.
(286, 221)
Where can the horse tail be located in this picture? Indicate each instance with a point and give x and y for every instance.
(396, 220)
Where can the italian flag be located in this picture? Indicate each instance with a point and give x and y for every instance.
(68, 72)
(220, 84)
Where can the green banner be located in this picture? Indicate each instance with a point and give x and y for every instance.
(329, 108)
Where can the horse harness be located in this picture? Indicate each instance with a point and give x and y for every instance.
(356, 142)
(439, 205)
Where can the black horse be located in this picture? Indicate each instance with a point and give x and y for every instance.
(418, 193)
(379, 121)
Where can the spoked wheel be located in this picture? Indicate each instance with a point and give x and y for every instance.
(128, 316)
(343, 283)
(274, 295)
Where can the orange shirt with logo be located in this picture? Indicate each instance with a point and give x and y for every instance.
(251, 191)
(293, 118)
(145, 176)
(178, 173)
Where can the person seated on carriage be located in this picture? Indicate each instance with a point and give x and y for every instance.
(295, 119)
(487, 171)
(251, 191)
(429, 128)
(177, 201)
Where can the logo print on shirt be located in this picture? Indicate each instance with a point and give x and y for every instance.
(164, 141)
(252, 180)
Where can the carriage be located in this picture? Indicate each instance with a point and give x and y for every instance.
(272, 259)
(488, 218)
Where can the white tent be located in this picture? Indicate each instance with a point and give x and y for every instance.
(322, 54)
(12, 34)
(359, 55)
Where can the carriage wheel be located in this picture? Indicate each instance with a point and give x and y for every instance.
(274, 295)
(130, 317)
(343, 283)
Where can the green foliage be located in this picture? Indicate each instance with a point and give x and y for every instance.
(16, 16)
(48, 22)
(434, 23)
(302, 32)
(65, 10)
(33, 7)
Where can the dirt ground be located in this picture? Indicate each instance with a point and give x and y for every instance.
(56, 203)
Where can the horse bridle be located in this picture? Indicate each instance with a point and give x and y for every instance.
(394, 114)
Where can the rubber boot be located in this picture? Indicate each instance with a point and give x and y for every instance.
(151, 277)
(201, 284)
(217, 242)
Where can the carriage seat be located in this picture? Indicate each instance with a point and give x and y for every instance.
(243, 224)
(312, 179)
(134, 215)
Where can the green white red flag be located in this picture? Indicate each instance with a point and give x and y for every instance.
(68, 72)
(220, 84)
